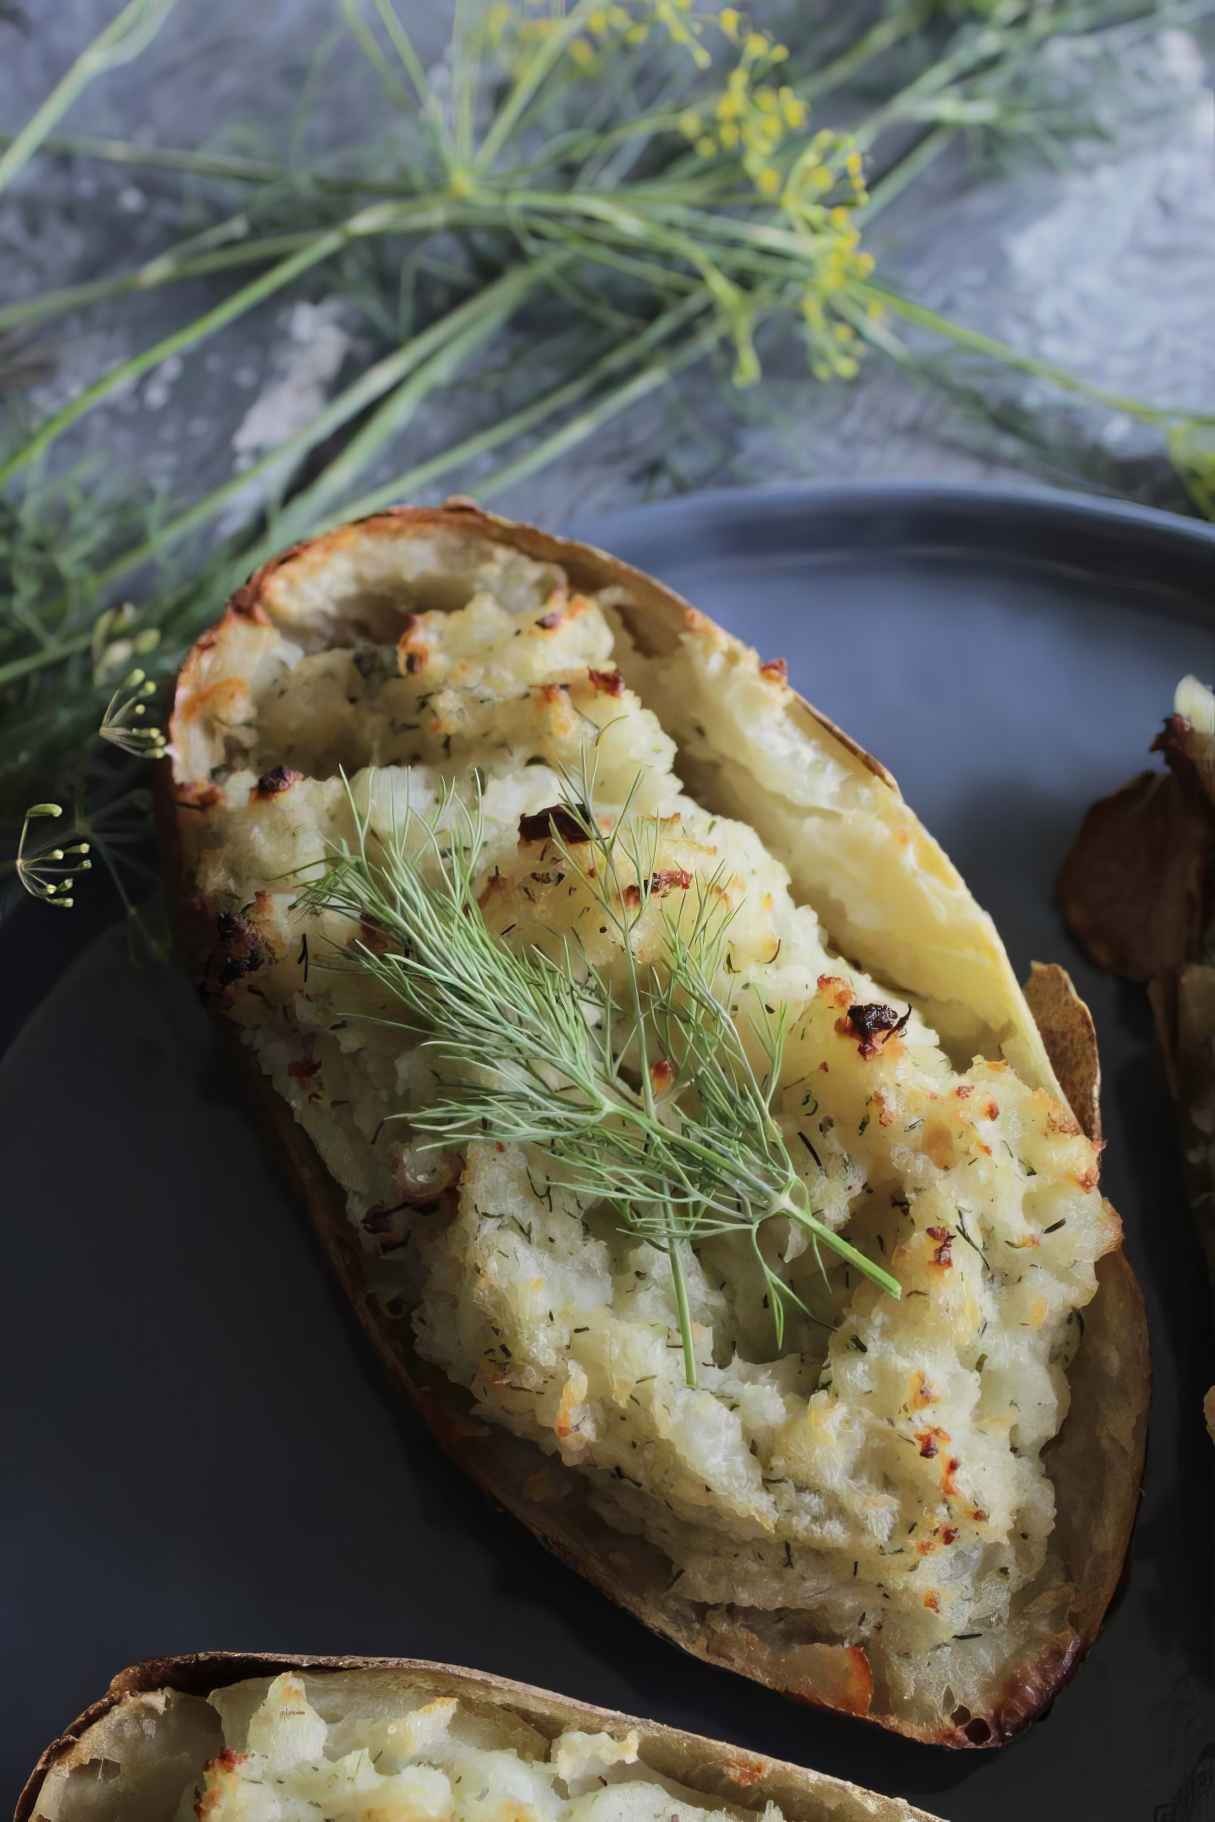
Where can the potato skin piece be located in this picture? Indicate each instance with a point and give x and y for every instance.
(717, 1770)
(1096, 1462)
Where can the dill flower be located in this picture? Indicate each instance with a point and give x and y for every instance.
(117, 640)
(123, 725)
(46, 874)
(752, 116)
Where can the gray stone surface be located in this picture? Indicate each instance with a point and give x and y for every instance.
(1103, 260)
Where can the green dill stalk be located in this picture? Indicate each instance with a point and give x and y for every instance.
(536, 1049)
(379, 218)
(504, 297)
(174, 266)
(649, 352)
(677, 256)
(1167, 417)
(128, 34)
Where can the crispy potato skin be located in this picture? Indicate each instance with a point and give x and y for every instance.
(714, 1769)
(1096, 1461)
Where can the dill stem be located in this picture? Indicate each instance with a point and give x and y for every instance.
(465, 330)
(683, 1312)
(895, 179)
(403, 45)
(977, 343)
(785, 1205)
(379, 218)
(47, 655)
(930, 82)
(481, 313)
(916, 102)
(505, 430)
(164, 269)
(880, 37)
(161, 158)
(128, 33)
(651, 378)
(197, 331)
(529, 80)
(679, 1284)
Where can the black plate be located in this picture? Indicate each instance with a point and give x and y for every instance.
(202, 1452)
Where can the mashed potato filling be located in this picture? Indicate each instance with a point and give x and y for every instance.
(324, 1748)
(882, 1469)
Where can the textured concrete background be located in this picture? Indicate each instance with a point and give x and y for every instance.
(1104, 262)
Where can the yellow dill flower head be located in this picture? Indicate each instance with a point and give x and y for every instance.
(681, 27)
(793, 109)
(690, 123)
(767, 180)
(706, 146)
(730, 21)
(582, 52)
(812, 308)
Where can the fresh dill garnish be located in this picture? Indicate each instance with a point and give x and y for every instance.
(645, 1097)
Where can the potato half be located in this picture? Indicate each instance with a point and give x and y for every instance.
(335, 655)
(167, 1738)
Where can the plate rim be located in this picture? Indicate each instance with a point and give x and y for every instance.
(1086, 510)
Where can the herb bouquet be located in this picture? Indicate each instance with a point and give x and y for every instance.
(577, 204)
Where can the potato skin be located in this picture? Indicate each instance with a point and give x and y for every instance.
(714, 1769)
(1096, 1462)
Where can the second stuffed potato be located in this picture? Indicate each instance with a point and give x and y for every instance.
(225, 1736)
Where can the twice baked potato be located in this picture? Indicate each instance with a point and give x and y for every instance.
(229, 1737)
(867, 1500)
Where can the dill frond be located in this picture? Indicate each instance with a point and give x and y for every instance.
(647, 1100)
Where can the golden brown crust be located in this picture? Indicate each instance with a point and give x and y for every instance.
(716, 1770)
(1097, 1461)
(1070, 1037)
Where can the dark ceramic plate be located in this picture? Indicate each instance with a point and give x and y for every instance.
(201, 1451)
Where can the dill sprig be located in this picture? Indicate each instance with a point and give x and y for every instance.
(646, 1099)
(619, 190)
